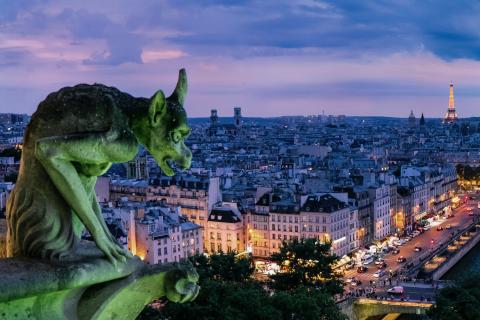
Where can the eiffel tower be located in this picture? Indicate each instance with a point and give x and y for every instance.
(451, 115)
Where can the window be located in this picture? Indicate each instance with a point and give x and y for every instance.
(212, 247)
(296, 228)
(165, 250)
(219, 247)
(212, 236)
(273, 236)
(229, 237)
(219, 236)
(273, 227)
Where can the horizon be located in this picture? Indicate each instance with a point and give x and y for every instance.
(271, 58)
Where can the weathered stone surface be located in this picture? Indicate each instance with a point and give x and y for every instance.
(86, 286)
(73, 137)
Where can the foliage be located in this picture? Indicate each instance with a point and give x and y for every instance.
(12, 152)
(11, 177)
(467, 172)
(306, 262)
(229, 292)
(224, 266)
(458, 302)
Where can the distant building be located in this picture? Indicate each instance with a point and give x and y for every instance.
(224, 129)
(160, 235)
(225, 229)
(412, 121)
(451, 115)
(237, 116)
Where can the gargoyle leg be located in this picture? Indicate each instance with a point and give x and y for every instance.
(56, 155)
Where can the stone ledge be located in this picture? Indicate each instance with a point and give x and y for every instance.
(87, 286)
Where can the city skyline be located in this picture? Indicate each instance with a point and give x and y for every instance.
(270, 58)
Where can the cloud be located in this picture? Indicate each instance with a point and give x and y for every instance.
(266, 56)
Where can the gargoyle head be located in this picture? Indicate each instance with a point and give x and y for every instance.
(169, 128)
(181, 283)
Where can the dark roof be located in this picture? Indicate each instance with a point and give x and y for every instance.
(265, 199)
(325, 203)
(223, 215)
(403, 191)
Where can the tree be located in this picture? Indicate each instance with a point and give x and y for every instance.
(223, 266)
(229, 292)
(12, 152)
(308, 263)
(458, 302)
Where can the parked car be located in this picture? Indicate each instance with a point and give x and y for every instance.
(381, 266)
(379, 261)
(362, 269)
(439, 228)
(350, 265)
(379, 274)
(401, 259)
(417, 248)
(426, 228)
(448, 226)
(349, 280)
(356, 283)
(396, 290)
(367, 261)
(396, 251)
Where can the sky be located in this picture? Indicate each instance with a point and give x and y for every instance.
(269, 57)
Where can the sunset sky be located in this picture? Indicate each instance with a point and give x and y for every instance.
(270, 57)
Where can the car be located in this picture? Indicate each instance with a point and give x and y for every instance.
(356, 283)
(367, 261)
(397, 243)
(401, 259)
(396, 290)
(381, 266)
(470, 213)
(469, 209)
(349, 279)
(396, 251)
(448, 226)
(379, 261)
(416, 233)
(350, 265)
(362, 269)
(439, 228)
(417, 248)
(379, 274)
(426, 228)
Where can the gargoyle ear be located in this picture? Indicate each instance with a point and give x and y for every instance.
(157, 105)
(180, 91)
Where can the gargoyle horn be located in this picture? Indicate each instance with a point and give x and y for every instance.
(180, 91)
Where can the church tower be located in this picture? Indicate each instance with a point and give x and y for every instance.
(451, 115)
(237, 116)
(213, 117)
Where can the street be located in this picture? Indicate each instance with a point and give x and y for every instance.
(428, 241)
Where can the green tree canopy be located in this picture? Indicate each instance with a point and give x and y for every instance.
(306, 262)
(458, 302)
(224, 266)
(228, 291)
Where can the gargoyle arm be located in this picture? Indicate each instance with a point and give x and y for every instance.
(57, 155)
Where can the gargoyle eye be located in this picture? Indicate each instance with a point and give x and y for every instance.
(176, 136)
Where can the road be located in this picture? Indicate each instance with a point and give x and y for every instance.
(428, 241)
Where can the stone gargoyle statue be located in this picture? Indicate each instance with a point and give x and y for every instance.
(74, 137)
